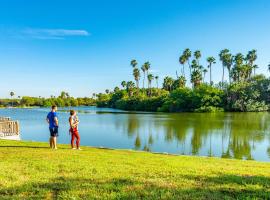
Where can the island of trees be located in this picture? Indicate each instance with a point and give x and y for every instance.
(244, 91)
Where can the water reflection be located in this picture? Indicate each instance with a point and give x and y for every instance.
(227, 135)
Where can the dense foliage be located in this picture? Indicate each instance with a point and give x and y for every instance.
(63, 100)
(243, 91)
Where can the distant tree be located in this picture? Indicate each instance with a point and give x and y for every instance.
(211, 60)
(204, 73)
(11, 95)
(168, 83)
(197, 55)
(143, 70)
(182, 61)
(107, 91)
(156, 77)
(137, 75)
(222, 57)
(187, 54)
(150, 77)
(130, 88)
(133, 63)
(124, 84)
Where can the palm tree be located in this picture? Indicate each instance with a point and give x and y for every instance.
(196, 77)
(143, 70)
(116, 89)
(11, 95)
(167, 83)
(182, 61)
(124, 84)
(238, 60)
(197, 55)
(133, 63)
(107, 91)
(136, 74)
(211, 60)
(204, 73)
(222, 57)
(150, 77)
(228, 59)
(130, 87)
(147, 66)
(251, 57)
(156, 77)
(187, 54)
(254, 67)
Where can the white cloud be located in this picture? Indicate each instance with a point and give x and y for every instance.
(53, 34)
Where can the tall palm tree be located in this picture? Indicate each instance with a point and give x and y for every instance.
(211, 60)
(182, 61)
(197, 55)
(250, 59)
(222, 58)
(143, 70)
(228, 59)
(147, 66)
(156, 77)
(187, 54)
(137, 75)
(238, 60)
(133, 63)
(254, 67)
(196, 77)
(150, 77)
(204, 73)
(124, 84)
(11, 95)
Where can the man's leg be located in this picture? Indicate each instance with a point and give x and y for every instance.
(54, 143)
(51, 142)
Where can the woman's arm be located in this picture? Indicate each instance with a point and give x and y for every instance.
(70, 122)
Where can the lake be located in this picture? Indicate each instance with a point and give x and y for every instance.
(227, 135)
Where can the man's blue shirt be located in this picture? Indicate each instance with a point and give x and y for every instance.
(51, 116)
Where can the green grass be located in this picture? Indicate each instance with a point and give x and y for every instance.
(30, 170)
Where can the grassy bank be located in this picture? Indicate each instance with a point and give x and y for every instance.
(32, 171)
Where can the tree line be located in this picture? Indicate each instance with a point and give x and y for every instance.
(63, 100)
(243, 89)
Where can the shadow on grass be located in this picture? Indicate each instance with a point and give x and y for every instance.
(222, 187)
(18, 146)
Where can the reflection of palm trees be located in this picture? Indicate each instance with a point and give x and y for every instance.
(231, 133)
(137, 143)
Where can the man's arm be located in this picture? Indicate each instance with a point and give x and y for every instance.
(56, 120)
(47, 119)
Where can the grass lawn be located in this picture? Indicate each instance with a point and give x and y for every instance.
(30, 170)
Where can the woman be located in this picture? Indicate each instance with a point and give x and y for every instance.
(74, 122)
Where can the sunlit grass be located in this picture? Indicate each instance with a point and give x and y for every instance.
(30, 170)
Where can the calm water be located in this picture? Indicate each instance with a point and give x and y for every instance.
(230, 135)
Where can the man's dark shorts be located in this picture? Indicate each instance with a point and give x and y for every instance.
(54, 132)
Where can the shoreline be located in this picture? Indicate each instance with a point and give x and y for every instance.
(135, 151)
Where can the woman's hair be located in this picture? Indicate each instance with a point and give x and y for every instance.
(72, 112)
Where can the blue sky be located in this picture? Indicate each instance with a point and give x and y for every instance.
(85, 46)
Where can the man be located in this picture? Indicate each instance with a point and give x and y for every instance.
(52, 120)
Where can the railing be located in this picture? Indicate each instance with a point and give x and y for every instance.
(9, 128)
(5, 119)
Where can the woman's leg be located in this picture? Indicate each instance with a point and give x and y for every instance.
(72, 138)
(78, 140)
